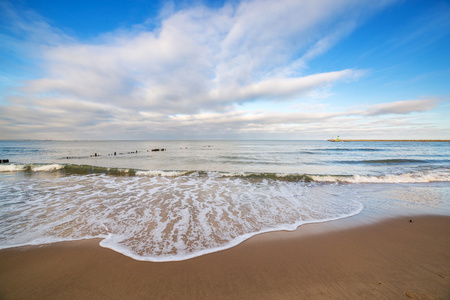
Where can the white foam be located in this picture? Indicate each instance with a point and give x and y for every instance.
(160, 173)
(413, 177)
(47, 168)
(35, 168)
(11, 168)
(160, 218)
(113, 244)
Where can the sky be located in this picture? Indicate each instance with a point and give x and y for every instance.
(286, 69)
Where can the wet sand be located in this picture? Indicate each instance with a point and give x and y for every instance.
(344, 259)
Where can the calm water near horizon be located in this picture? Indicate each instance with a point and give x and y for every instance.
(293, 157)
(198, 197)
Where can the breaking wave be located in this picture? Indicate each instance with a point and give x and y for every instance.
(430, 175)
(161, 218)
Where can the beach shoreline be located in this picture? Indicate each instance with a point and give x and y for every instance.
(353, 257)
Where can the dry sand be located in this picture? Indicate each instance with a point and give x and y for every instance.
(392, 259)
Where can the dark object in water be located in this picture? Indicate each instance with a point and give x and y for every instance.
(154, 150)
(410, 221)
(4, 161)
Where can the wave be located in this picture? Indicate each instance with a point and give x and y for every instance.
(30, 168)
(440, 175)
(349, 149)
(87, 169)
(430, 175)
(68, 169)
(388, 161)
(175, 215)
(411, 177)
(163, 173)
(19, 150)
(158, 218)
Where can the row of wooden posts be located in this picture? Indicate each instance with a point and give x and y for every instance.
(5, 161)
(115, 153)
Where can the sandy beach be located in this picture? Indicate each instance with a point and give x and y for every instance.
(344, 259)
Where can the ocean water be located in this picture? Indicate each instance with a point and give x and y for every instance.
(198, 197)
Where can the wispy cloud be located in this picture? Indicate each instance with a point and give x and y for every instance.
(402, 107)
(188, 74)
(198, 59)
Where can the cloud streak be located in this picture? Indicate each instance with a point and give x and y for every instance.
(191, 73)
(402, 107)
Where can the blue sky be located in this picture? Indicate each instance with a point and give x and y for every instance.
(224, 69)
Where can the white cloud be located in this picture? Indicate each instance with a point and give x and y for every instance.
(190, 73)
(402, 107)
(195, 53)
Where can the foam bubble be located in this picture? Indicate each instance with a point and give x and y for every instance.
(161, 218)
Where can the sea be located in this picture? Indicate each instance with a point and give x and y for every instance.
(175, 200)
